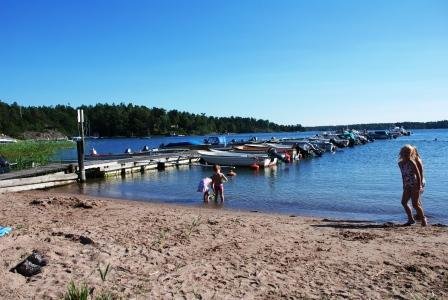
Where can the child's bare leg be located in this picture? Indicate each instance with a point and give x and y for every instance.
(404, 202)
(415, 196)
(216, 195)
(206, 197)
(222, 196)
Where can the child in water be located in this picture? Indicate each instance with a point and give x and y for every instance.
(218, 180)
(204, 187)
(231, 172)
(412, 184)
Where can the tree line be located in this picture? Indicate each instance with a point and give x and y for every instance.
(109, 120)
(379, 126)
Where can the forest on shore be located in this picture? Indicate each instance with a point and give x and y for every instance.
(109, 120)
(378, 126)
(112, 120)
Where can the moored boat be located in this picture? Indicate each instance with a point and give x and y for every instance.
(380, 134)
(227, 158)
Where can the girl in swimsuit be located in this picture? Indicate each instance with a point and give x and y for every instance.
(412, 184)
(218, 180)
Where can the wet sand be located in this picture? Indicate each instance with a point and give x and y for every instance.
(163, 251)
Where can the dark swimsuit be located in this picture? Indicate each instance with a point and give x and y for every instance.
(408, 174)
(218, 186)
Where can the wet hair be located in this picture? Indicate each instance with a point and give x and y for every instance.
(216, 168)
(406, 152)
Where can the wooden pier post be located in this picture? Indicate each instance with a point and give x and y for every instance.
(81, 169)
(80, 148)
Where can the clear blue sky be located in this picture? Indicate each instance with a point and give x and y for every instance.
(309, 62)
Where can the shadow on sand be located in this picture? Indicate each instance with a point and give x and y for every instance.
(360, 224)
(355, 224)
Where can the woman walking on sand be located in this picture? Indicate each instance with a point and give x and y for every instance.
(412, 184)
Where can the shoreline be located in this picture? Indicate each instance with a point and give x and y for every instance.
(331, 215)
(160, 250)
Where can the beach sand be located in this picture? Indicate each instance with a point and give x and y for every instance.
(162, 251)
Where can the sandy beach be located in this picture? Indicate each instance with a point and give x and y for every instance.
(157, 251)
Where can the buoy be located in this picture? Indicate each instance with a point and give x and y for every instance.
(128, 151)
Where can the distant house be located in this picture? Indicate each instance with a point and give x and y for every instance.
(4, 139)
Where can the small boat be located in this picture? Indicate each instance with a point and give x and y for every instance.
(4, 139)
(322, 143)
(183, 145)
(287, 152)
(227, 158)
(207, 143)
(94, 155)
(380, 134)
(398, 131)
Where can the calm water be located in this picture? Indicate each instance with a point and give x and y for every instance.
(359, 183)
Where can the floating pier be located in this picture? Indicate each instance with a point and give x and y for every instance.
(61, 174)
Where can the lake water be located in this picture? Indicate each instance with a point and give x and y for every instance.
(363, 182)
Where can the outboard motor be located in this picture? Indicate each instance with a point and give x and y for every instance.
(273, 154)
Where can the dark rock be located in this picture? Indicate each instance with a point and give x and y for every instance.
(27, 268)
(32, 265)
(37, 202)
(37, 259)
(74, 237)
(212, 222)
(85, 240)
(411, 268)
(81, 204)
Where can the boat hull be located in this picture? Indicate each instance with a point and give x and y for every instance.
(236, 159)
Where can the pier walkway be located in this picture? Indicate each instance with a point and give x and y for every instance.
(64, 173)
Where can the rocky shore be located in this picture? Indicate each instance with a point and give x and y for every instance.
(137, 250)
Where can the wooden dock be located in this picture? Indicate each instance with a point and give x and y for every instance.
(66, 173)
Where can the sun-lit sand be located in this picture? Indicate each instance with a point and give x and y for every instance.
(162, 251)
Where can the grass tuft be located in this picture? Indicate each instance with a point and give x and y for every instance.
(76, 293)
(193, 227)
(103, 273)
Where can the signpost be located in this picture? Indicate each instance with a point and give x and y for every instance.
(80, 147)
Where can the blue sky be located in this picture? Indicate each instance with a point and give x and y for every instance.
(308, 62)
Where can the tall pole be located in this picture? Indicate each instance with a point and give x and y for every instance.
(80, 148)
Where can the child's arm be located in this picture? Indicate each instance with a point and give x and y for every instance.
(420, 168)
(417, 172)
(224, 177)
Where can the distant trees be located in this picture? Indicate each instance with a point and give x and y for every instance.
(125, 120)
(109, 120)
(373, 126)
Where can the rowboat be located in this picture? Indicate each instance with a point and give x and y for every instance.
(226, 158)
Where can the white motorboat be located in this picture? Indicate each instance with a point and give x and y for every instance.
(226, 158)
(4, 139)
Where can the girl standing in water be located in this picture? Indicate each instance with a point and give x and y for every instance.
(412, 184)
(218, 180)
